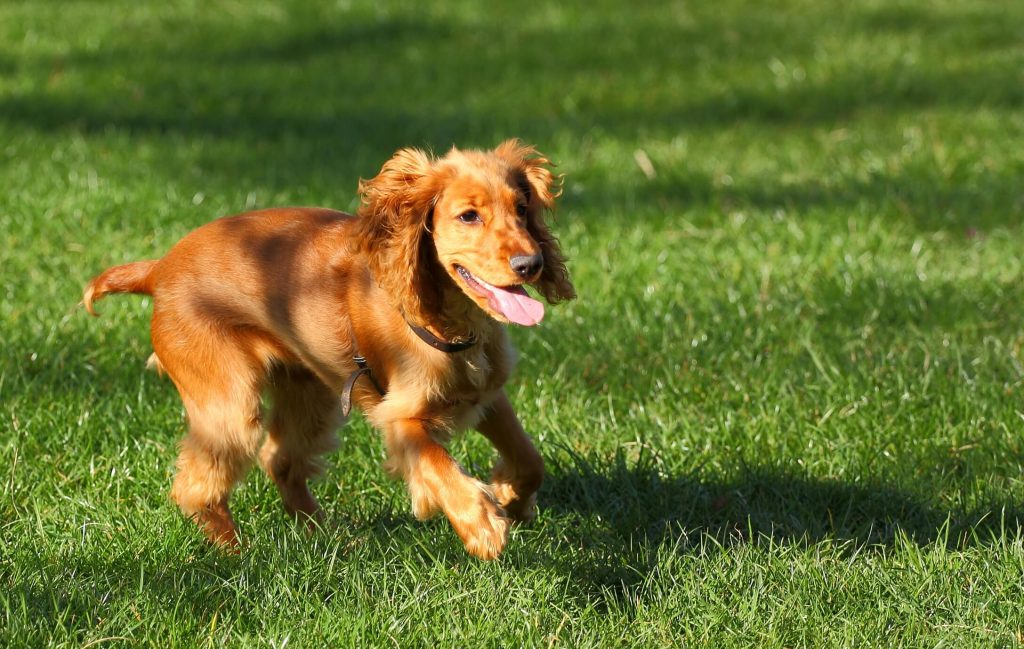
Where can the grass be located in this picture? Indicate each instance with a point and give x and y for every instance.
(785, 411)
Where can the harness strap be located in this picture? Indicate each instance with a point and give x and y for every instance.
(346, 392)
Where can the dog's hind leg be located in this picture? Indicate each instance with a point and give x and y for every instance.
(219, 379)
(304, 416)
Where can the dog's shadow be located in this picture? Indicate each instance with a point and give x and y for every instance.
(618, 518)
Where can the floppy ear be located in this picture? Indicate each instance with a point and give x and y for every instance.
(392, 231)
(532, 173)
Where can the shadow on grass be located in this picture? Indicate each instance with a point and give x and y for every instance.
(225, 80)
(621, 516)
(639, 502)
(340, 90)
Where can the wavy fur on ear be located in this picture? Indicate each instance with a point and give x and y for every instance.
(532, 173)
(392, 231)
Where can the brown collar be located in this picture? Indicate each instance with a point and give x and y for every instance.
(441, 344)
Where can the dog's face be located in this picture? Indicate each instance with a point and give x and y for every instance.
(481, 234)
(476, 216)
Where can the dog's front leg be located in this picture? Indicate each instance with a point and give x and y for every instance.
(436, 482)
(518, 474)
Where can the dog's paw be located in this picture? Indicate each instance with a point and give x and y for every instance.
(483, 528)
(219, 527)
(516, 491)
(521, 509)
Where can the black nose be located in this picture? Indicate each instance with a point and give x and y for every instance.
(527, 265)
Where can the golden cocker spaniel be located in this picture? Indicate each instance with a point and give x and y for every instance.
(399, 310)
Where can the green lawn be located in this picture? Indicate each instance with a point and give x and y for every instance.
(787, 409)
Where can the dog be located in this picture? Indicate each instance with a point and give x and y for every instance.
(398, 310)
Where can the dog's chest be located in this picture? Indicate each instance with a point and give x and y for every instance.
(473, 377)
(449, 389)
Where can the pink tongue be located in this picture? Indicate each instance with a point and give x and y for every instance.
(516, 305)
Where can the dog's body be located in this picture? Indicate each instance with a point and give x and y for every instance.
(283, 301)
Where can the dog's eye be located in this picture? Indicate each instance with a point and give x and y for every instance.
(521, 210)
(469, 217)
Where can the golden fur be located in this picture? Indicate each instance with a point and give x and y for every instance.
(279, 301)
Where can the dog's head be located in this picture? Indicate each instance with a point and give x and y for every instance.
(472, 219)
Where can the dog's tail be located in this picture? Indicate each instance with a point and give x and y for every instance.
(129, 278)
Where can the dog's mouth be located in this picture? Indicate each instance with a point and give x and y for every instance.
(511, 302)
